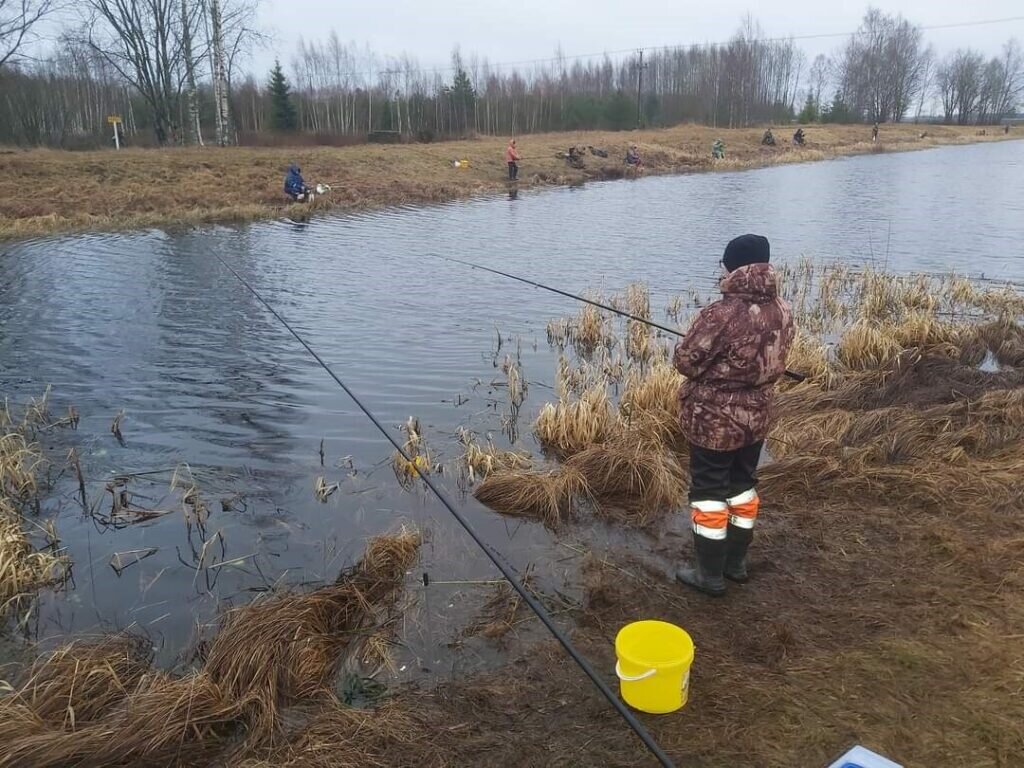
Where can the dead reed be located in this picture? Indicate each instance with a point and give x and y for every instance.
(415, 447)
(565, 428)
(101, 704)
(20, 464)
(591, 329)
(896, 394)
(538, 494)
(649, 403)
(287, 648)
(23, 570)
(631, 479)
(479, 461)
(516, 384)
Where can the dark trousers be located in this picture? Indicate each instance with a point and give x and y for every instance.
(513, 171)
(721, 475)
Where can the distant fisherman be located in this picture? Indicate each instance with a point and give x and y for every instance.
(732, 356)
(874, 132)
(295, 186)
(768, 139)
(512, 158)
(799, 138)
(718, 149)
(633, 157)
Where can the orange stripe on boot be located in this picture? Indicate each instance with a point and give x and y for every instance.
(743, 509)
(710, 518)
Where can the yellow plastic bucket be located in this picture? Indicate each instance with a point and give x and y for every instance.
(653, 667)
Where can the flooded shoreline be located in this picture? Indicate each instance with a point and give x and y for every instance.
(249, 471)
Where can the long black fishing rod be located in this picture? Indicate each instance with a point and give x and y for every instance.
(517, 585)
(672, 331)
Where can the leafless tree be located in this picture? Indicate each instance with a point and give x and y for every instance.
(961, 81)
(928, 68)
(820, 75)
(1004, 83)
(881, 68)
(145, 42)
(17, 21)
(219, 73)
(194, 128)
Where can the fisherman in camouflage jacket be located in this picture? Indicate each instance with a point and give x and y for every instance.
(732, 356)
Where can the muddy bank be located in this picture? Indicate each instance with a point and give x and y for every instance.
(47, 191)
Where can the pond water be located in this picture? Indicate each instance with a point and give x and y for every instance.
(153, 324)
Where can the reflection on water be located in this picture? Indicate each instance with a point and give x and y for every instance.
(153, 324)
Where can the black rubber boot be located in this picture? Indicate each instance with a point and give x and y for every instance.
(736, 546)
(706, 576)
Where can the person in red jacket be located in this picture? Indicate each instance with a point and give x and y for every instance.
(732, 356)
(512, 158)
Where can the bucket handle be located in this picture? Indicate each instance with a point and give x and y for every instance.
(628, 679)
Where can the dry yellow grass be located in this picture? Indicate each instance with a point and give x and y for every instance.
(479, 461)
(23, 570)
(565, 428)
(102, 704)
(631, 479)
(135, 188)
(547, 495)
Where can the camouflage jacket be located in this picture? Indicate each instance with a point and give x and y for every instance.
(732, 356)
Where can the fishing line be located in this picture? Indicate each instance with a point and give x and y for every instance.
(672, 331)
(492, 554)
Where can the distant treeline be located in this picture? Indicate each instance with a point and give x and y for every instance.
(332, 92)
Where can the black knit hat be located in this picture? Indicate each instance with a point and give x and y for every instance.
(745, 250)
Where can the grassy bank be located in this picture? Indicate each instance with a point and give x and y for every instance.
(47, 191)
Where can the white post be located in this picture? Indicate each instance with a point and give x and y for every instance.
(117, 139)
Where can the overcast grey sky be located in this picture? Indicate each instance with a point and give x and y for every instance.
(530, 29)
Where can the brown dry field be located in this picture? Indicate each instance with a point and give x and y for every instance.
(46, 191)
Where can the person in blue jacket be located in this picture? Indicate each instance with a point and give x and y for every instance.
(294, 185)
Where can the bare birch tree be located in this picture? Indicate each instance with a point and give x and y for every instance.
(18, 19)
(144, 41)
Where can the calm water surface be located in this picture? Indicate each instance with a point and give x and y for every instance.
(153, 324)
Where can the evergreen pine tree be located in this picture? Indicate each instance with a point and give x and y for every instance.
(809, 114)
(282, 112)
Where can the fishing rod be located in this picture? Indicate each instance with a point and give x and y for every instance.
(672, 331)
(491, 553)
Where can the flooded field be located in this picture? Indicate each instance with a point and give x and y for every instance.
(238, 466)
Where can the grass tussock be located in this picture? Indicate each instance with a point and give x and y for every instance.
(631, 479)
(163, 721)
(591, 330)
(567, 427)
(538, 494)
(20, 464)
(892, 391)
(101, 703)
(23, 569)
(649, 403)
(286, 649)
(479, 461)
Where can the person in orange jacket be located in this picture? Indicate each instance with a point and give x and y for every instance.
(512, 158)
